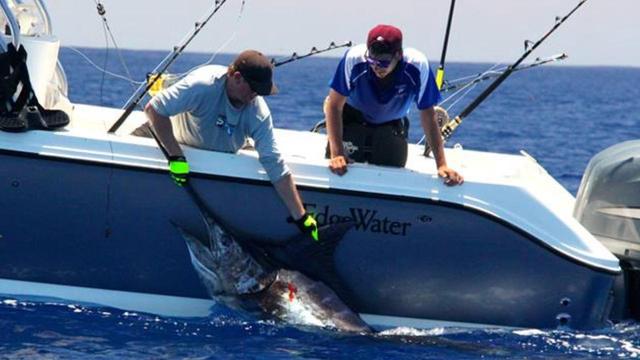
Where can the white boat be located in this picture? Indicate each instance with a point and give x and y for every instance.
(86, 217)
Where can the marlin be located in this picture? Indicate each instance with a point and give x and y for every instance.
(233, 276)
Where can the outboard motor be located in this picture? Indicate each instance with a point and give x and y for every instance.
(608, 205)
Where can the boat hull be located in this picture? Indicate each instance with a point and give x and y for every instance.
(99, 225)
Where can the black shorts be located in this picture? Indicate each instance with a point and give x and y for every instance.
(379, 144)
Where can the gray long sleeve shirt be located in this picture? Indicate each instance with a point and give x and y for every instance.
(202, 116)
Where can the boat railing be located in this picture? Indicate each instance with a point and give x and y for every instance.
(13, 9)
(48, 29)
(46, 18)
(3, 44)
(35, 8)
(12, 22)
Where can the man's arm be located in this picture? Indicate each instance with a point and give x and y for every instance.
(271, 159)
(333, 113)
(432, 132)
(306, 223)
(287, 191)
(161, 125)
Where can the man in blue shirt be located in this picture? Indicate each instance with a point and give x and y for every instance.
(370, 96)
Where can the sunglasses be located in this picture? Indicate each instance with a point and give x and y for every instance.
(379, 63)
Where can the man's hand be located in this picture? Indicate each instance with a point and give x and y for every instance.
(179, 168)
(307, 225)
(338, 164)
(450, 176)
(333, 105)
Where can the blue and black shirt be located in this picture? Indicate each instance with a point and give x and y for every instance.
(413, 82)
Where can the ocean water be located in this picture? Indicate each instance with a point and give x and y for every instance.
(562, 116)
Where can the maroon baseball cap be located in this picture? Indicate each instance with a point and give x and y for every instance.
(384, 39)
(257, 70)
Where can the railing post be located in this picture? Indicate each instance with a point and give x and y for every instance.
(13, 24)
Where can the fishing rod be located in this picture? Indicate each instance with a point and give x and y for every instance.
(135, 99)
(274, 62)
(313, 51)
(448, 129)
(450, 86)
(294, 57)
(440, 73)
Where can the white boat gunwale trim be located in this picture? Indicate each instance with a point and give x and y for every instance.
(151, 160)
(384, 322)
(163, 305)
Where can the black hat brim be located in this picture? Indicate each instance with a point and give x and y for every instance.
(263, 88)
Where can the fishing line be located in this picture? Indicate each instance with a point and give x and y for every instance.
(475, 80)
(97, 67)
(456, 83)
(160, 69)
(468, 86)
(106, 30)
(129, 78)
(450, 85)
(448, 129)
(106, 63)
(102, 13)
(223, 46)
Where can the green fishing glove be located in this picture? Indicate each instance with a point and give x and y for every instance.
(179, 168)
(307, 225)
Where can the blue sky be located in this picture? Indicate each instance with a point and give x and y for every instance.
(602, 32)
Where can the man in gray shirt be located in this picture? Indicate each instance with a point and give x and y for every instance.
(219, 108)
